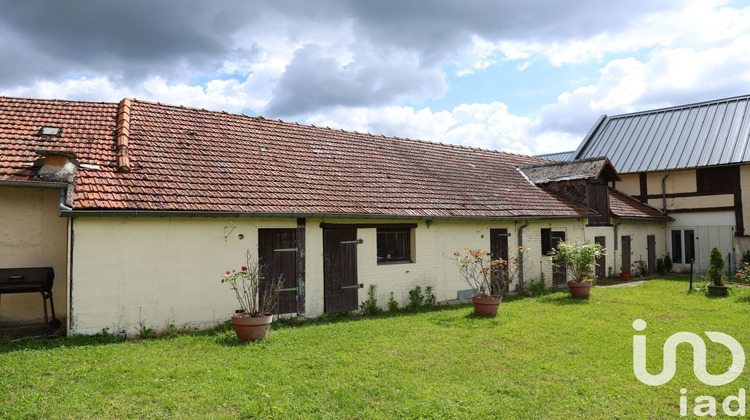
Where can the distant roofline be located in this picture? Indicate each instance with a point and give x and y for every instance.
(673, 108)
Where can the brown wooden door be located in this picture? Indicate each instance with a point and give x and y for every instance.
(601, 268)
(559, 272)
(499, 247)
(340, 270)
(651, 250)
(278, 253)
(625, 254)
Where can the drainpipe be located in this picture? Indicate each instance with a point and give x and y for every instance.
(614, 266)
(64, 200)
(520, 257)
(664, 193)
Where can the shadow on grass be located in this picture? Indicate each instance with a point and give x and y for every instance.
(561, 297)
(11, 344)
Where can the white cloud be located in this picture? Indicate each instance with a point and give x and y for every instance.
(488, 126)
(668, 77)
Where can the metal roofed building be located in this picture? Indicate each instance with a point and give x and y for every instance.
(691, 161)
(559, 156)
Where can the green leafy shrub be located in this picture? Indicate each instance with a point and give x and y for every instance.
(370, 306)
(429, 299)
(392, 303)
(660, 268)
(416, 298)
(715, 273)
(579, 259)
(538, 286)
(668, 266)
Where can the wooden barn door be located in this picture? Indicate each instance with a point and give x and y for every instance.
(278, 253)
(340, 270)
(559, 272)
(601, 268)
(625, 263)
(499, 246)
(651, 250)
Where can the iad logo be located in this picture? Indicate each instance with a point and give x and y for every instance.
(699, 357)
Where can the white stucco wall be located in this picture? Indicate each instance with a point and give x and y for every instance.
(156, 272)
(32, 235)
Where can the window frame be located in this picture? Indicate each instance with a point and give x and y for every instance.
(685, 249)
(406, 245)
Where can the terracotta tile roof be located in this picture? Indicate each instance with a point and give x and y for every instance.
(87, 130)
(196, 160)
(624, 206)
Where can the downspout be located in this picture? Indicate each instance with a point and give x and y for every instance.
(520, 257)
(64, 200)
(664, 193)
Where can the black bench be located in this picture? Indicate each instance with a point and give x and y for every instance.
(31, 280)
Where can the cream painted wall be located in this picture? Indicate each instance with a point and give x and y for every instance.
(630, 184)
(32, 235)
(154, 272)
(130, 273)
(638, 232)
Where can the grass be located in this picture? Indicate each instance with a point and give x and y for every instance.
(542, 357)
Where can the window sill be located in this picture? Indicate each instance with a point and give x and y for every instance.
(395, 262)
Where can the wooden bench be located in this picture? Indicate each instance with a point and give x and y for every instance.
(31, 280)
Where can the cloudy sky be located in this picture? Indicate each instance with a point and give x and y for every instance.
(527, 76)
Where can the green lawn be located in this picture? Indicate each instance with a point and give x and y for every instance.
(542, 357)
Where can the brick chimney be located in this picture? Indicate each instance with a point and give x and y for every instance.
(58, 166)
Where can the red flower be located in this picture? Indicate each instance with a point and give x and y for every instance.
(226, 272)
(244, 268)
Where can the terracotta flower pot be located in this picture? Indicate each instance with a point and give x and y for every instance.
(624, 276)
(249, 328)
(486, 306)
(579, 290)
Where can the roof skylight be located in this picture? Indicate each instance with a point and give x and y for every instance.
(50, 131)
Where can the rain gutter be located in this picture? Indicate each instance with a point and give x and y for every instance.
(216, 214)
(33, 184)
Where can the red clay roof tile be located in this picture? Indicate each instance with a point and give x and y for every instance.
(624, 206)
(196, 160)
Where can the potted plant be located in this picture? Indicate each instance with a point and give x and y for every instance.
(580, 260)
(624, 267)
(485, 275)
(715, 274)
(256, 297)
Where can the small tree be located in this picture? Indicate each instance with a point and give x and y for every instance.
(255, 294)
(579, 259)
(715, 273)
(481, 272)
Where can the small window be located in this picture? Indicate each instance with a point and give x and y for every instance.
(394, 245)
(683, 246)
(546, 241)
